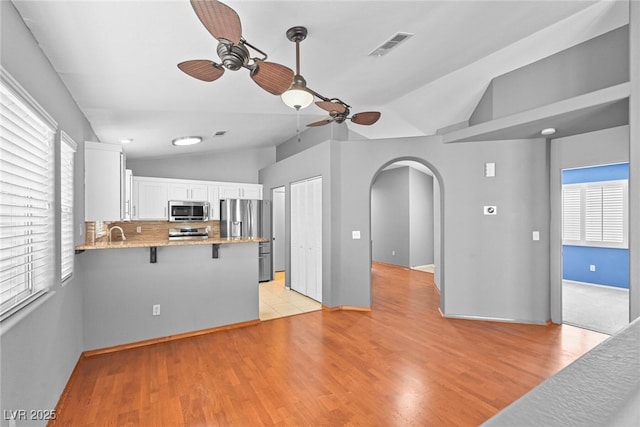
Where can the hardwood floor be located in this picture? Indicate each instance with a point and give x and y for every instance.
(400, 364)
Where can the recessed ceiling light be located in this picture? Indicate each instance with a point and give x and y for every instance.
(187, 140)
(126, 141)
(548, 131)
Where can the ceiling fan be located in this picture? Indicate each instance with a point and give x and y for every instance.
(300, 95)
(224, 25)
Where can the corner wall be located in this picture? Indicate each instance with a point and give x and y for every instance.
(41, 344)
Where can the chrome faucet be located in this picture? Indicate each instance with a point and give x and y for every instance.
(121, 232)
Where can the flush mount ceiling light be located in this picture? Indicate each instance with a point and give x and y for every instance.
(187, 140)
(548, 131)
(126, 141)
(297, 96)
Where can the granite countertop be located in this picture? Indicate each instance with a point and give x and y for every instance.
(166, 242)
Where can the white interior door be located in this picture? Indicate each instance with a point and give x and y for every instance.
(306, 237)
(278, 228)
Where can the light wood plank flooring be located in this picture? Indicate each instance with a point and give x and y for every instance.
(400, 364)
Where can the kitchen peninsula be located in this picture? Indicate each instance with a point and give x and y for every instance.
(191, 289)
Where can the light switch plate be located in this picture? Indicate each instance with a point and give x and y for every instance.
(489, 170)
(355, 234)
(536, 235)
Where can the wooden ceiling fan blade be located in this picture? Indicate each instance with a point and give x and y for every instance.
(219, 19)
(332, 107)
(366, 118)
(272, 77)
(320, 123)
(202, 69)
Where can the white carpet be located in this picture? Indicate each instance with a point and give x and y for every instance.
(598, 308)
(430, 268)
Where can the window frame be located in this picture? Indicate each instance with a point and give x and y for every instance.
(38, 271)
(592, 212)
(68, 148)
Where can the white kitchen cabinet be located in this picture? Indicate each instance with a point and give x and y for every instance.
(306, 237)
(150, 198)
(214, 202)
(240, 191)
(179, 190)
(104, 181)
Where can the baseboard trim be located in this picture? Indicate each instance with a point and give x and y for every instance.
(492, 319)
(346, 308)
(136, 344)
(65, 392)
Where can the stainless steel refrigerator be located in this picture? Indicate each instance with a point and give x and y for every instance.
(250, 218)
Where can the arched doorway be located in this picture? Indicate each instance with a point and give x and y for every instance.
(405, 217)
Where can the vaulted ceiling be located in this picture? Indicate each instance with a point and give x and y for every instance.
(118, 60)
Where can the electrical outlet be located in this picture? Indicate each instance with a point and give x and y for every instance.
(355, 234)
(156, 309)
(138, 229)
(592, 267)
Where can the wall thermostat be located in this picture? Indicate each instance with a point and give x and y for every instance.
(490, 210)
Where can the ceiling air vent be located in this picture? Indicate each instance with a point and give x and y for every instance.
(390, 44)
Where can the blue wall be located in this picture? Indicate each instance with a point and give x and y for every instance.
(612, 264)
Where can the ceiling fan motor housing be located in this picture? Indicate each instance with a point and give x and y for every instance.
(233, 56)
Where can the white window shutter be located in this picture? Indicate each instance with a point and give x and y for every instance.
(593, 213)
(613, 230)
(571, 212)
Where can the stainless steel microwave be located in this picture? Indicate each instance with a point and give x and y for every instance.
(186, 211)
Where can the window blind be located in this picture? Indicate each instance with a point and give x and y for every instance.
(67, 151)
(571, 213)
(26, 196)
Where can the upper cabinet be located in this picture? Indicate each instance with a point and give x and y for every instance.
(104, 182)
(150, 198)
(230, 190)
(188, 191)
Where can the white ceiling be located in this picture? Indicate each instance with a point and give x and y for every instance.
(118, 59)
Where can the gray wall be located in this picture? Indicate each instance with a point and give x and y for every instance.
(421, 230)
(194, 291)
(41, 344)
(310, 137)
(315, 161)
(390, 215)
(236, 166)
(402, 217)
(590, 149)
(508, 282)
(559, 76)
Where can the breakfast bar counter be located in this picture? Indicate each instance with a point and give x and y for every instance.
(166, 242)
(128, 300)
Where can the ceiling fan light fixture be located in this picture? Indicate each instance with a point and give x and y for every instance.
(297, 97)
(187, 140)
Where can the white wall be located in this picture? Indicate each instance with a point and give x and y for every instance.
(235, 166)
